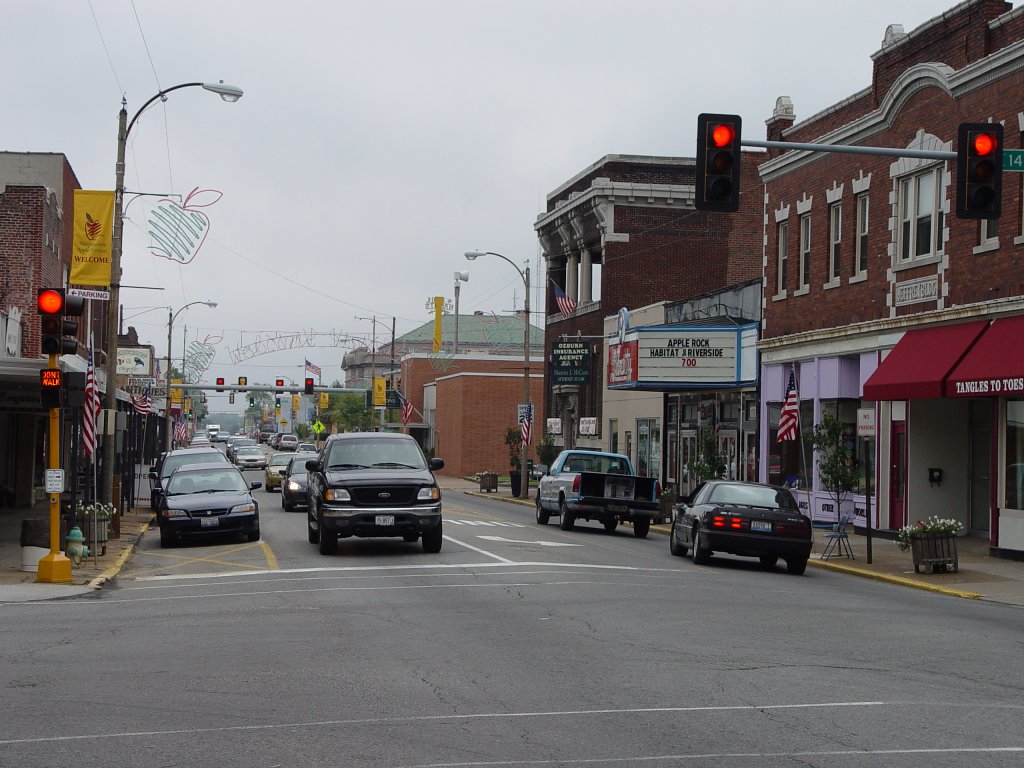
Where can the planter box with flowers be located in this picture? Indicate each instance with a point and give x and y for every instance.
(932, 543)
(94, 522)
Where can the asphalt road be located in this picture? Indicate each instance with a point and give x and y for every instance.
(517, 645)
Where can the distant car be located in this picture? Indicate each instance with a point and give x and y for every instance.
(206, 498)
(307, 448)
(274, 440)
(746, 519)
(238, 442)
(277, 463)
(288, 443)
(293, 482)
(250, 457)
(171, 460)
(264, 436)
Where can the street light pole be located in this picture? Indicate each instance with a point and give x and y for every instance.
(229, 93)
(460, 277)
(168, 436)
(524, 481)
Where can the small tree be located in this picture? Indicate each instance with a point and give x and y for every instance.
(514, 443)
(547, 451)
(835, 461)
(708, 462)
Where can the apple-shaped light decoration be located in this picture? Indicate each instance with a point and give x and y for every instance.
(178, 229)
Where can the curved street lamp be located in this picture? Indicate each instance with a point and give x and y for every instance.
(524, 481)
(168, 432)
(229, 93)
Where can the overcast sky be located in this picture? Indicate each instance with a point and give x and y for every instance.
(378, 141)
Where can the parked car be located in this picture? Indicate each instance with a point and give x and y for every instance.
(293, 482)
(250, 457)
(171, 460)
(207, 498)
(272, 476)
(373, 484)
(287, 443)
(746, 519)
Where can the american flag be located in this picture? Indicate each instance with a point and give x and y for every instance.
(91, 410)
(181, 431)
(527, 431)
(143, 403)
(314, 369)
(789, 417)
(565, 304)
(406, 410)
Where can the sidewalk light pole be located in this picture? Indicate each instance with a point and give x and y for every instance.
(229, 93)
(168, 432)
(524, 492)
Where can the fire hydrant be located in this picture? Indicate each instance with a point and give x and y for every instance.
(75, 547)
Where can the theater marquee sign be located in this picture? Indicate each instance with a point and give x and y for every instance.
(680, 357)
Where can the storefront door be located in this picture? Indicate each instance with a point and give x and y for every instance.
(727, 444)
(981, 464)
(687, 451)
(898, 476)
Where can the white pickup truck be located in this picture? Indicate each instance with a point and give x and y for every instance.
(593, 485)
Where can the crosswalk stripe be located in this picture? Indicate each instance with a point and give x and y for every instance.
(493, 523)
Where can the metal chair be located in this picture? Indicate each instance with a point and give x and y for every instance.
(838, 540)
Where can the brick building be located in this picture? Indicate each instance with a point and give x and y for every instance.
(464, 404)
(623, 234)
(875, 293)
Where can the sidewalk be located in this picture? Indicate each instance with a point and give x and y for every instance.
(18, 586)
(980, 577)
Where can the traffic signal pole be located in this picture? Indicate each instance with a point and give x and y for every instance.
(54, 568)
(846, 149)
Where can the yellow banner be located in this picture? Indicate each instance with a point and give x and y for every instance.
(91, 239)
(380, 390)
(295, 403)
(176, 392)
(438, 306)
(325, 400)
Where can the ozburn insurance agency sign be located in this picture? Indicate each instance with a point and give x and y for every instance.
(681, 357)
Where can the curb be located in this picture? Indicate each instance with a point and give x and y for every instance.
(495, 497)
(112, 571)
(897, 580)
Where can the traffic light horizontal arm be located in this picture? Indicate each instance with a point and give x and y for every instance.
(847, 149)
(269, 389)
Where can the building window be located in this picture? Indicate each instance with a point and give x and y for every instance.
(1014, 479)
(860, 261)
(835, 235)
(783, 237)
(988, 231)
(805, 250)
(920, 218)
(789, 462)
(613, 435)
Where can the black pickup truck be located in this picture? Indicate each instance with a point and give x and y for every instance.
(371, 484)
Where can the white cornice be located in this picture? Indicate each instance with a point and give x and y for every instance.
(621, 193)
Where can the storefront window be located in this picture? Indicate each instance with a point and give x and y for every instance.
(1015, 454)
(648, 448)
(845, 412)
(790, 462)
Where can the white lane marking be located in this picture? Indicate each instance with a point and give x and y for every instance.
(484, 552)
(491, 523)
(442, 718)
(517, 541)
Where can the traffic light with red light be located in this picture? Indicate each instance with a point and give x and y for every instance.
(54, 326)
(220, 383)
(309, 386)
(279, 383)
(50, 383)
(718, 163)
(979, 170)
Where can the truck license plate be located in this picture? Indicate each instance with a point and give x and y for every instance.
(209, 522)
(619, 509)
(384, 520)
(761, 525)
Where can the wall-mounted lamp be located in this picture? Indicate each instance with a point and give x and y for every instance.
(934, 476)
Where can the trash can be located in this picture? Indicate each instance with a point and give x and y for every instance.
(489, 481)
(35, 541)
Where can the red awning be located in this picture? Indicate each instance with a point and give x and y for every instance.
(994, 365)
(920, 362)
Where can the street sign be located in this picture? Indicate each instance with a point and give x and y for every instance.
(284, 422)
(865, 422)
(140, 382)
(318, 426)
(97, 294)
(523, 412)
(1013, 160)
(55, 481)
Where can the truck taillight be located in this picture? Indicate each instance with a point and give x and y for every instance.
(576, 484)
(657, 490)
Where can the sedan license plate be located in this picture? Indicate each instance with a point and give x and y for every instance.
(761, 525)
(209, 522)
(384, 520)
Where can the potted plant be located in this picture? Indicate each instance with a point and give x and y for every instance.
(667, 501)
(709, 461)
(932, 543)
(514, 443)
(94, 521)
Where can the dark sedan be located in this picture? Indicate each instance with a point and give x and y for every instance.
(170, 461)
(207, 498)
(293, 482)
(746, 519)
